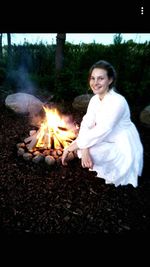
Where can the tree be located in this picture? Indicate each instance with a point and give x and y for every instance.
(59, 56)
(118, 38)
(59, 63)
(9, 51)
(1, 48)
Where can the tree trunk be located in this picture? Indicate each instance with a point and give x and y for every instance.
(59, 57)
(59, 63)
(1, 47)
(9, 51)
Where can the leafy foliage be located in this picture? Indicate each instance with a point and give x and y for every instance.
(131, 61)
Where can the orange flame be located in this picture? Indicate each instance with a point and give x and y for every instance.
(55, 132)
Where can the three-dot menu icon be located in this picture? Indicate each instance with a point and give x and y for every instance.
(142, 10)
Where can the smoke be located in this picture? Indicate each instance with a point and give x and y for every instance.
(20, 81)
(18, 73)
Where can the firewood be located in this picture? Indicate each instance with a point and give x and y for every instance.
(57, 143)
(32, 143)
(32, 132)
(30, 138)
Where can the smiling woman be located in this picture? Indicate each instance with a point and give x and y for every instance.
(108, 141)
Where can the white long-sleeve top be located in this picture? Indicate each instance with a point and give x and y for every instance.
(113, 140)
(103, 120)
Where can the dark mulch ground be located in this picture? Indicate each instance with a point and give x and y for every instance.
(36, 199)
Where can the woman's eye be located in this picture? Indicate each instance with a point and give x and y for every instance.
(98, 79)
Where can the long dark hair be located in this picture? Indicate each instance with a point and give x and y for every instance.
(102, 64)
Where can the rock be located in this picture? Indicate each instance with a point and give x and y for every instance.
(49, 160)
(81, 102)
(27, 156)
(145, 116)
(24, 103)
(38, 158)
(21, 151)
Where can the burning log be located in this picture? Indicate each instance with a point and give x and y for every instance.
(32, 139)
(48, 142)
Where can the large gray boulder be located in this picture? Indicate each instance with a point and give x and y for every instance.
(24, 103)
(81, 102)
(145, 116)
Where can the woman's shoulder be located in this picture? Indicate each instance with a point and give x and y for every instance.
(93, 99)
(117, 96)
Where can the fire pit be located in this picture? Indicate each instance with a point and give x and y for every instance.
(46, 143)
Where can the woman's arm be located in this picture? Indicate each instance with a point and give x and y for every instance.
(111, 114)
(71, 148)
(86, 160)
(87, 123)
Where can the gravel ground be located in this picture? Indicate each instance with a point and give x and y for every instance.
(40, 200)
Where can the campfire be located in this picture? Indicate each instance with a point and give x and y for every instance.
(54, 134)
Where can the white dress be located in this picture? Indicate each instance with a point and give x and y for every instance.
(113, 140)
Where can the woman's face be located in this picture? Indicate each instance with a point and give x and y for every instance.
(99, 81)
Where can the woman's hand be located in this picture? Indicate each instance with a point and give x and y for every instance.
(64, 157)
(72, 147)
(86, 160)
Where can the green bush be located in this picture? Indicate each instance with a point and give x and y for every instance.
(131, 60)
(2, 75)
